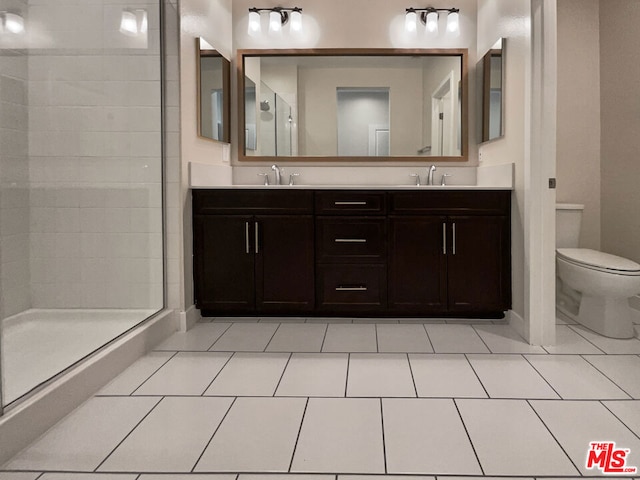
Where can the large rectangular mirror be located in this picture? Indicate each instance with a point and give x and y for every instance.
(490, 73)
(345, 104)
(213, 77)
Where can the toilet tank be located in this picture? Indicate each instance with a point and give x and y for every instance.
(568, 221)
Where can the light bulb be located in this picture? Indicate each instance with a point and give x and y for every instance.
(254, 23)
(410, 21)
(453, 24)
(144, 20)
(128, 23)
(275, 22)
(432, 22)
(13, 23)
(296, 21)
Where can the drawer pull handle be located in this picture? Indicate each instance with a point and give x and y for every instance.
(257, 237)
(351, 289)
(351, 240)
(350, 203)
(444, 238)
(454, 238)
(246, 237)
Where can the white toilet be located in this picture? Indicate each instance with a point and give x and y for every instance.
(594, 287)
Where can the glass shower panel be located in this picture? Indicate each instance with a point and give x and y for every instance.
(81, 229)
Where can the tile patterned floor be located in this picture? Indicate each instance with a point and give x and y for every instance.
(262, 399)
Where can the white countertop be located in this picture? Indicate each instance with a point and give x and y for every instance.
(349, 187)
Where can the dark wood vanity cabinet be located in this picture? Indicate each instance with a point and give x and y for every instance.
(404, 253)
(253, 252)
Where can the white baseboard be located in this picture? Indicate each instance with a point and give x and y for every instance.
(518, 324)
(30, 418)
(189, 318)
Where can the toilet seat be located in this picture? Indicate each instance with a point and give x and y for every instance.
(599, 261)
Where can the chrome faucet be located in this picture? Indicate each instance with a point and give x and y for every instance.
(432, 169)
(276, 169)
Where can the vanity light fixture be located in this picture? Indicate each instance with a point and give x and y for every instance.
(278, 17)
(12, 22)
(429, 17)
(134, 22)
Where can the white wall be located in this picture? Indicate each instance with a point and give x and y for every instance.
(578, 142)
(620, 114)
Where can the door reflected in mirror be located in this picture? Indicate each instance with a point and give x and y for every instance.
(213, 76)
(353, 104)
(491, 71)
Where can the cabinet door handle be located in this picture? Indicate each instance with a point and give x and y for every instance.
(444, 238)
(454, 238)
(350, 203)
(246, 237)
(351, 240)
(257, 237)
(351, 289)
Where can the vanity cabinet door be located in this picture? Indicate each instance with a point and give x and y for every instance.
(478, 264)
(284, 263)
(224, 270)
(417, 264)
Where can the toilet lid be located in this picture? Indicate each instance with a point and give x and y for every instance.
(599, 260)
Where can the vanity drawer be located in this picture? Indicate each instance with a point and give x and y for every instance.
(252, 202)
(350, 239)
(441, 202)
(351, 287)
(349, 202)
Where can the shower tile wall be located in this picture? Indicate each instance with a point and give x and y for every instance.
(14, 178)
(94, 157)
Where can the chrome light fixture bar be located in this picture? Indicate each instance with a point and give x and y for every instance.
(11, 22)
(429, 17)
(278, 17)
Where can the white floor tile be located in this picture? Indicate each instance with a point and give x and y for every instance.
(237, 319)
(455, 339)
(426, 436)
(572, 377)
(200, 338)
(190, 476)
(445, 375)
(406, 338)
(570, 342)
(504, 339)
(340, 435)
(298, 337)
(510, 376)
(19, 475)
(627, 412)
(87, 476)
(386, 477)
(486, 477)
(283, 320)
(609, 345)
(624, 370)
(329, 320)
(574, 424)
(315, 375)
(350, 338)
(188, 373)
(258, 435)
(379, 375)
(288, 476)
(510, 439)
(245, 337)
(84, 438)
(377, 321)
(250, 374)
(171, 438)
(136, 374)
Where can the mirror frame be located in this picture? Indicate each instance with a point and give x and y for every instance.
(378, 52)
(226, 93)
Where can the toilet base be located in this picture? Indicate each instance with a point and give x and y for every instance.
(607, 316)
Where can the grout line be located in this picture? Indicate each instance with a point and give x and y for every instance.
(415, 389)
(543, 377)
(40, 476)
(424, 325)
(272, 336)
(154, 372)
(619, 419)
(553, 436)
(324, 337)
(477, 376)
(293, 454)
(346, 380)
(384, 444)
(473, 327)
(219, 337)
(213, 435)
(578, 332)
(605, 376)
(282, 374)
(128, 434)
(473, 447)
(218, 374)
